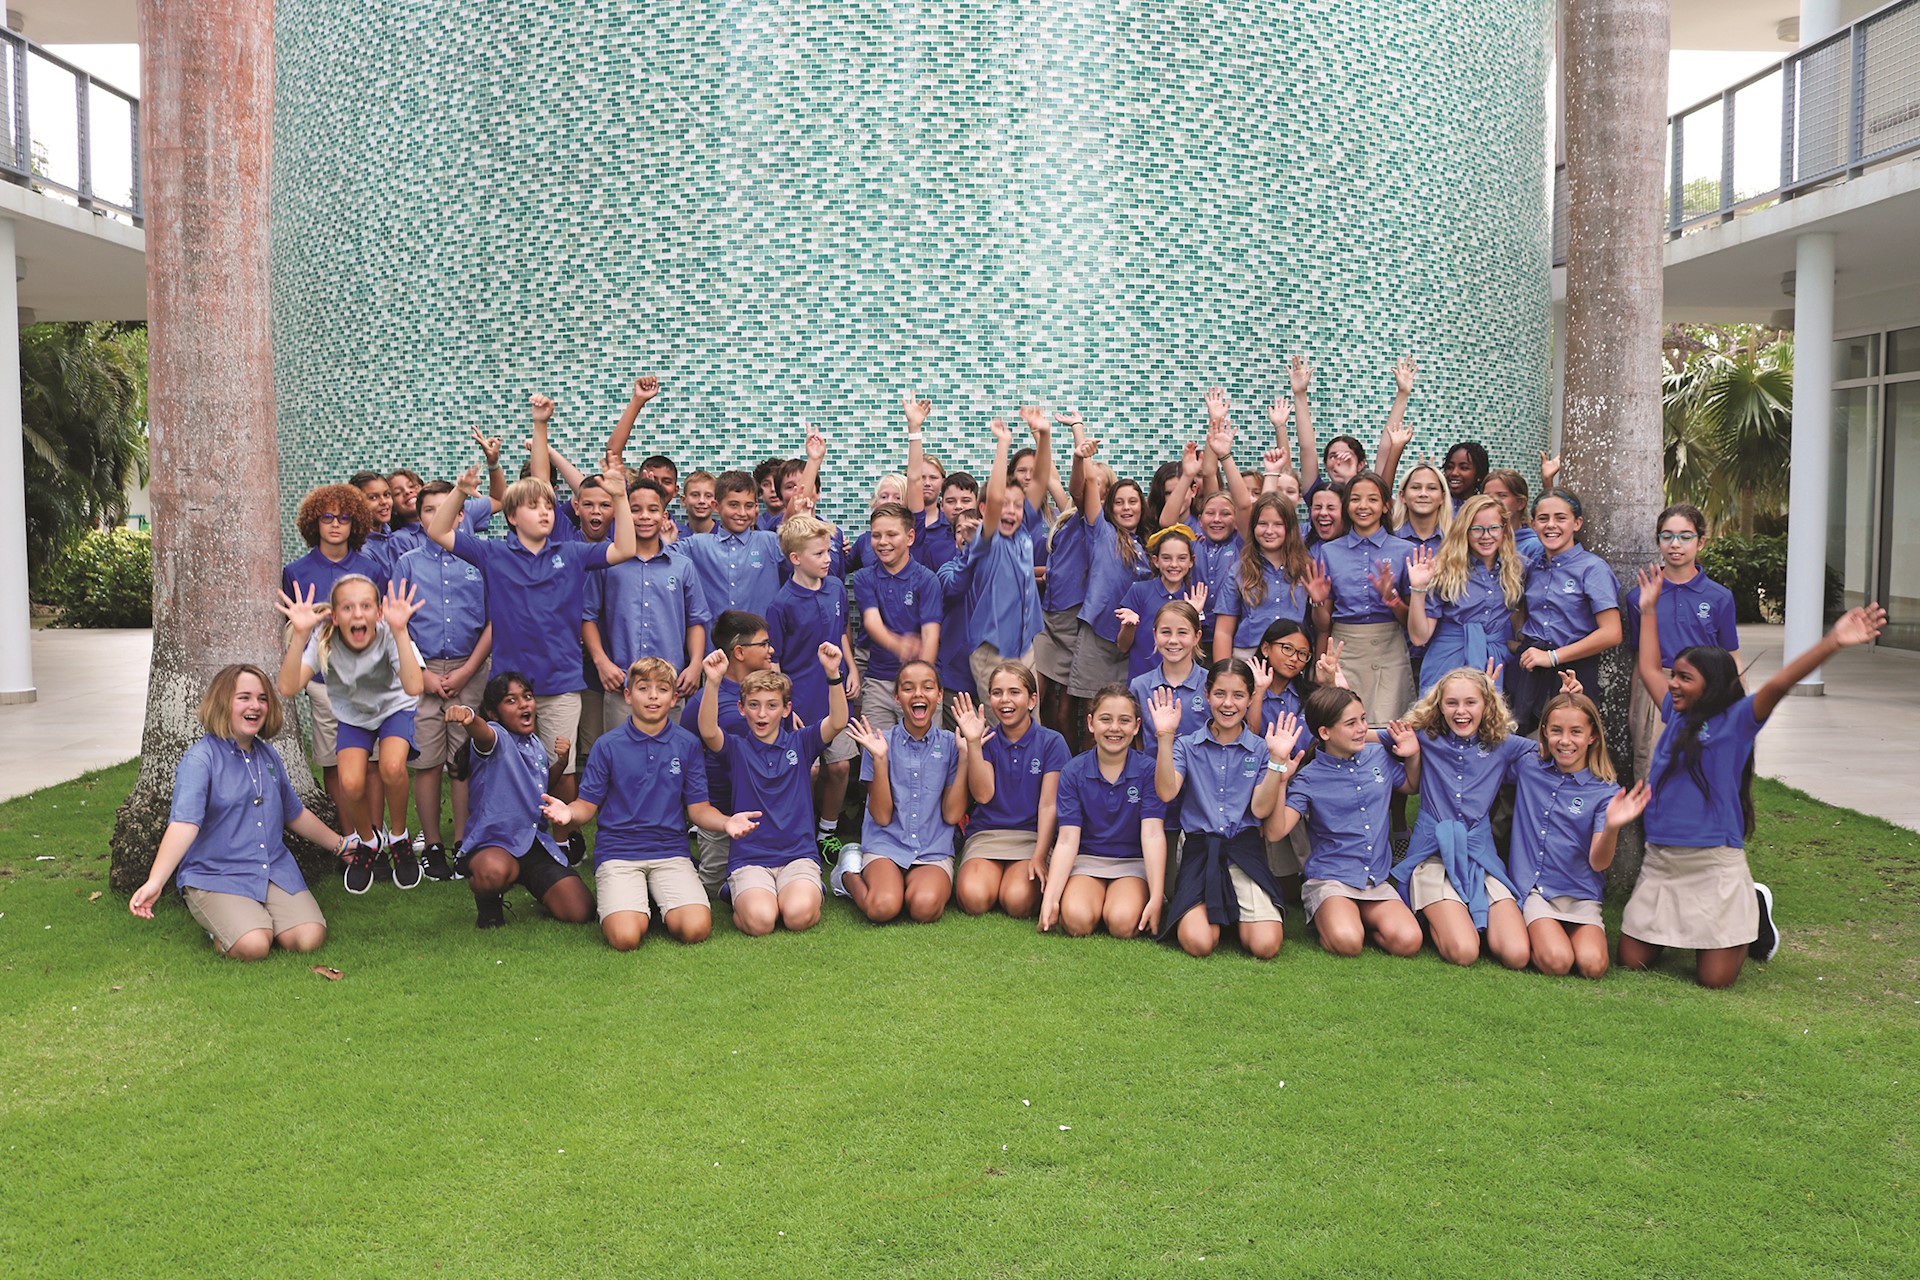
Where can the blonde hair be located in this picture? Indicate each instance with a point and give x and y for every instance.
(527, 491)
(1454, 565)
(797, 531)
(892, 477)
(1496, 722)
(653, 670)
(1019, 669)
(1401, 516)
(766, 682)
(215, 712)
(333, 607)
(1599, 762)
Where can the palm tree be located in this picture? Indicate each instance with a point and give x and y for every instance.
(1728, 416)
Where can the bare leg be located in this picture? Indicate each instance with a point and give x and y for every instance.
(1392, 926)
(624, 930)
(978, 886)
(302, 937)
(1720, 968)
(690, 924)
(1126, 900)
(833, 790)
(459, 810)
(492, 871)
(878, 890)
(1552, 949)
(1262, 939)
(1454, 936)
(357, 815)
(1507, 934)
(1081, 905)
(1019, 891)
(426, 804)
(800, 906)
(1341, 930)
(756, 912)
(251, 945)
(393, 781)
(928, 889)
(1590, 950)
(1635, 954)
(1198, 935)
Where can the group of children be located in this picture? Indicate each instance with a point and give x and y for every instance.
(1168, 710)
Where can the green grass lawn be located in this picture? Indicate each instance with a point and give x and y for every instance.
(966, 1099)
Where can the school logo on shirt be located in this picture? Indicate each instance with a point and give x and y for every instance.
(1377, 775)
(754, 559)
(473, 573)
(935, 753)
(673, 584)
(793, 758)
(1133, 795)
(1705, 611)
(1199, 702)
(1578, 805)
(909, 598)
(559, 561)
(673, 766)
(1034, 766)
(1569, 587)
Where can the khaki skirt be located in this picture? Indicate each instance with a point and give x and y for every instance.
(1377, 667)
(999, 846)
(1565, 908)
(1315, 892)
(1110, 868)
(1699, 898)
(1430, 885)
(1286, 857)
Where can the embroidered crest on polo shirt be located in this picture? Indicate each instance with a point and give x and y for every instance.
(1705, 611)
(1133, 795)
(909, 598)
(1377, 775)
(673, 583)
(793, 757)
(1578, 805)
(1569, 587)
(559, 561)
(473, 573)
(673, 766)
(1034, 765)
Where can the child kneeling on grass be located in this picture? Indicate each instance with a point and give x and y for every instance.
(646, 780)
(507, 838)
(1109, 859)
(231, 800)
(773, 871)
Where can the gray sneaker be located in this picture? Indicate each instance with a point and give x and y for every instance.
(851, 860)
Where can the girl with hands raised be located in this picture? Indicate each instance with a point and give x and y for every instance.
(1462, 600)
(1110, 857)
(1013, 774)
(1172, 552)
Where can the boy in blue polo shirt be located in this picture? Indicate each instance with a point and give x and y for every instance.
(773, 875)
(739, 565)
(900, 605)
(535, 596)
(811, 610)
(646, 781)
(455, 639)
(742, 636)
(649, 607)
(1003, 601)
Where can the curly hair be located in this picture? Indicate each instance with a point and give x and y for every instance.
(1496, 722)
(341, 499)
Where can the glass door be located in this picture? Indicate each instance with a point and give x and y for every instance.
(1899, 558)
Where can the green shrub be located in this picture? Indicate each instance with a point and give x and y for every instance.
(1754, 569)
(104, 580)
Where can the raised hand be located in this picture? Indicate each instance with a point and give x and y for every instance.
(555, 810)
(1190, 464)
(1549, 470)
(1002, 434)
(1085, 447)
(1495, 667)
(1262, 677)
(1651, 580)
(829, 655)
(562, 748)
(1035, 419)
(489, 446)
(1382, 580)
(713, 668)
(468, 485)
(1859, 626)
(452, 714)
(1070, 420)
(1406, 743)
(741, 824)
(401, 603)
(645, 388)
(1319, 584)
(1278, 412)
(1273, 462)
(1628, 805)
(1405, 370)
(1163, 709)
(1300, 375)
(542, 407)
(1400, 436)
(1420, 569)
(303, 612)
(1281, 735)
(869, 739)
(916, 411)
(1220, 440)
(1126, 617)
(1217, 407)
(613, 477)
(816, 445)
(969, 721)
(1327, 668)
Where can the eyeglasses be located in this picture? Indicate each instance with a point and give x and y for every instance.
(753, 644)
(1293, 650)
(334, 517)
(1485, 530)
(1682, 538)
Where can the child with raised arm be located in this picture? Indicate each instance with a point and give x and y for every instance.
(1109, 860)
(231, 803)
(1013, 774)
(511, 776)
(1003, 601)
(360, 641)
(651, 606)
(1112, 509)
(809, 611)
(646, 781)
(773, 872)
(738, 564)
(1694, 610)
(1235, 788)
(916, 796)
(900, 603)
(333, 521)
(1695, 888)
(1065, 587)
(1462, 601)
(1365, 610)
(742, 636)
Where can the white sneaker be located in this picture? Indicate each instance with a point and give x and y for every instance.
(851, 860)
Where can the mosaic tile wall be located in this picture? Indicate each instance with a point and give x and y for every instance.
(797, 209)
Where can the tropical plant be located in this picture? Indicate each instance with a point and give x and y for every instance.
(1727, 401)
(82, 398)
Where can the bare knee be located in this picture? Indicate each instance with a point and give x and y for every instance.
(1198, 935)
(979, 883)
(1262, 940)
(1079, 919)
(690, 924)
(1401, 937)
(492, 872)
(1554, 961)
(1017, 896)
(800, 915)
(303, 937)
(756, 914)
(926, 905)
(251, 945)
(1341, 937)
(882, 905)
(1635, 954)
(1460, 949)
(624, 930)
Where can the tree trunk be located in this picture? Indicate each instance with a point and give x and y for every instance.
(1616, 90)
(206, 130)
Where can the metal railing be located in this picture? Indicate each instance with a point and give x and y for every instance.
(1825, 114)
(67, 133)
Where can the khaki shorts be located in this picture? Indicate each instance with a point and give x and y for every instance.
(841, 748)
(999, 846)
(1255, 906)
(983, 660)
(231, 916)
(557, 716)
(1430, 885)
(1053, 647)
(713, 847)
(1315, 892)
(1096, 663)
(1643, 726)
(438, 741)
(624, 885)
(776, 880)
(326, 726)
(877, 706)
(1565, 908)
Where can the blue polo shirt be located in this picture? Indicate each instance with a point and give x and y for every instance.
(1680, 813)
(798, 622)
(1459, 776)
(1191, 691)
(1346, 806)
(956, 644)
(737, 570)
(774, 778)
(1284, 702)
(1698, 611)
(1469, 630)
(919, 770)
(1108, 575)
(453, 601)
(1067, 567)
(503, 796)
(1019, 767)
(1146, 599)
(1216, 796)
(1555, 818)
(1217, 563)
(1406, 534)
(314, 571)
(535, 602)
(379, 548)
(643, 608)
(719, 775)
(1280, 597)
(643, 784)
(1566, 594)
(1527, 543)
(906, 601)
(769, 521)
(1109, 814)
(241, 801)
(933, 543)
(1003, 601)
(475, 513)
(837, 557)
(1351, 562)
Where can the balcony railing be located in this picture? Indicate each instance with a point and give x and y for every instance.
(1825, 114)
(66, 133)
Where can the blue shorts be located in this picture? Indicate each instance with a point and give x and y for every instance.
(398, 725)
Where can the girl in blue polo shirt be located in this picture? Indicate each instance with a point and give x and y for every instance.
(1276, 578)
(1695, 889)
(1461, 602)
(1110, 859)
(1572, 610)
(1282, 679)
(916, 795)
(1176, 633)
(1013, 773)
(1365, 611)
(1172, 552)
(1567, 815)
(1216, 552)
(1694, 609)
(1344, 793)
(1227, 781)
(231, 802)
(1452, 874)
(509, 777)
(1112, 509)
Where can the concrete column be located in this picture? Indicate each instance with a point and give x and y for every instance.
(1812, 448)
(1818, 20)
(16, 624)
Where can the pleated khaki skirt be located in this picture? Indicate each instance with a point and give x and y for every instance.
(1698, 898)
(1377, 667)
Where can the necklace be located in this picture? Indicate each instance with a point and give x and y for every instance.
(246, 758)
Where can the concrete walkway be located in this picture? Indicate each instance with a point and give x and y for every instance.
(1857, 747)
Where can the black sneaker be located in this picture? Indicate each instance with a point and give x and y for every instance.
(576, 847)
(460, 860)
(1763, 947)
(831, 846)
(489, 912)
(406, 867)
(360, 863)
(433, 863)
